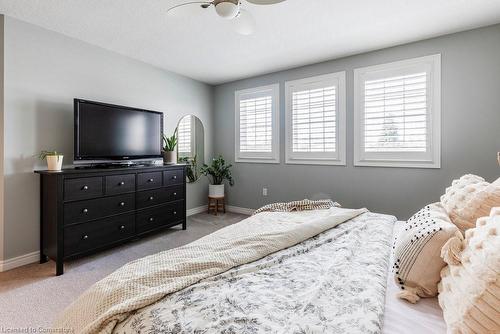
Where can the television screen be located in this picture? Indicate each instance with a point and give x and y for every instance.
(110, 132)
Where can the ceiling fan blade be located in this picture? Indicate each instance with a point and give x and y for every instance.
(245, 23)
(265, 2)
(203, 4)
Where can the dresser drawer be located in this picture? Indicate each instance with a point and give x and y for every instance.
(164, 215)
(87, 236)
(171, 177)
(119, 184)
(149, 180)
(82, 211)
(159, 196)
(82, 188)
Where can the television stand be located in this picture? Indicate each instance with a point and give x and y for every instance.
(83, 211)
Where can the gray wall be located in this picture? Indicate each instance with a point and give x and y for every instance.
(44, 72)
(1, 133)
(470, 132)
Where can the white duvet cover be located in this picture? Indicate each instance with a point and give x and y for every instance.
(332, 283)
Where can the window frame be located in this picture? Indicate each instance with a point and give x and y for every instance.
(430, 159)
(272, 157)
(337, 158)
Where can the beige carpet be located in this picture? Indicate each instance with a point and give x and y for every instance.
(31, 296)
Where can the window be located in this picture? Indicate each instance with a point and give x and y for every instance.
(257, 125)
(185, 136)
(316, 120)
(397, 114)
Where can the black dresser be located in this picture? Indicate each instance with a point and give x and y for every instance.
(84, 210)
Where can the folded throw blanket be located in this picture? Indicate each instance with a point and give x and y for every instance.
(305, 204)
(145, 281)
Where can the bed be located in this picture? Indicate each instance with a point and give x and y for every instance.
(333, 282)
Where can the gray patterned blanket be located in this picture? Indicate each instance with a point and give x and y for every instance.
(334, 282)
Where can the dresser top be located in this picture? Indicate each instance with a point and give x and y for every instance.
(124, 169)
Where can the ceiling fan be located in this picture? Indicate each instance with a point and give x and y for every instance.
(230, 10)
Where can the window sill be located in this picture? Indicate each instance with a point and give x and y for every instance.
(397, 164)
(257, 161)
(323, 162)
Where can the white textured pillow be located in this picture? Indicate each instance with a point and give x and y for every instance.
(417, 262)
(469, 292)
(469, 198)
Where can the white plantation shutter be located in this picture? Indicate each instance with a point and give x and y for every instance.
(397, 114)
(315, 117)
(184, 135)
(313, 120)
(256, 130)
(257, 120)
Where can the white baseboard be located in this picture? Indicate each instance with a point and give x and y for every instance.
(19, 261)
(230, 208)
(237, 209)
(196, 210)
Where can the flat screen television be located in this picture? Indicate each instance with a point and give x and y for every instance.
(107, 133)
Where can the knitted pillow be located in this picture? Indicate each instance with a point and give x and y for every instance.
(416, 259)
(469, 292)
(469, 198)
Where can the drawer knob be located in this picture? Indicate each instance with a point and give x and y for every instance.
(151, 198)
(174, 177)
(85, 210)
(151, 219)
(175, 212)
(122, 203)
(121, 183)
(85, 188)
(85, 237)
(150, 180)
(122, 227)
(175, 194)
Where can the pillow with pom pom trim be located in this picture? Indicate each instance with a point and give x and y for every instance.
(469, 292)
(469, 198)
(416, 252)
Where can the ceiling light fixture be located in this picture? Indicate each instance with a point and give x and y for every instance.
(244, 22)
(227, 9)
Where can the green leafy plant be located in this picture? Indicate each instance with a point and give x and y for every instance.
(218, 171)
(191, 168)
(44, 154)
(169, 143)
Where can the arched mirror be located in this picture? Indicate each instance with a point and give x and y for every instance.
(191, 146)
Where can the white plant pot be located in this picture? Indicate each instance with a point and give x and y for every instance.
(170, 157)
(216, 190)
(54, 162)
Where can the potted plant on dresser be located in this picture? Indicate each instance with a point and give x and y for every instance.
(217, 172)
(169, 144)
(54, 160)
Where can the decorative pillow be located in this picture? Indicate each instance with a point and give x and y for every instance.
(469, 198)
(416, 259)
(469, 292)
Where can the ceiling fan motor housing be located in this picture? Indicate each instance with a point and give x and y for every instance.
(227, 9)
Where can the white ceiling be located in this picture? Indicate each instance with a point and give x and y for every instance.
(292, 33)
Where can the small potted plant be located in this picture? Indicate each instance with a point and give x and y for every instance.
(169, 144)
(54, 160)
(217, 172)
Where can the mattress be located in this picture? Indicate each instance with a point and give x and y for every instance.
(402, 317)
